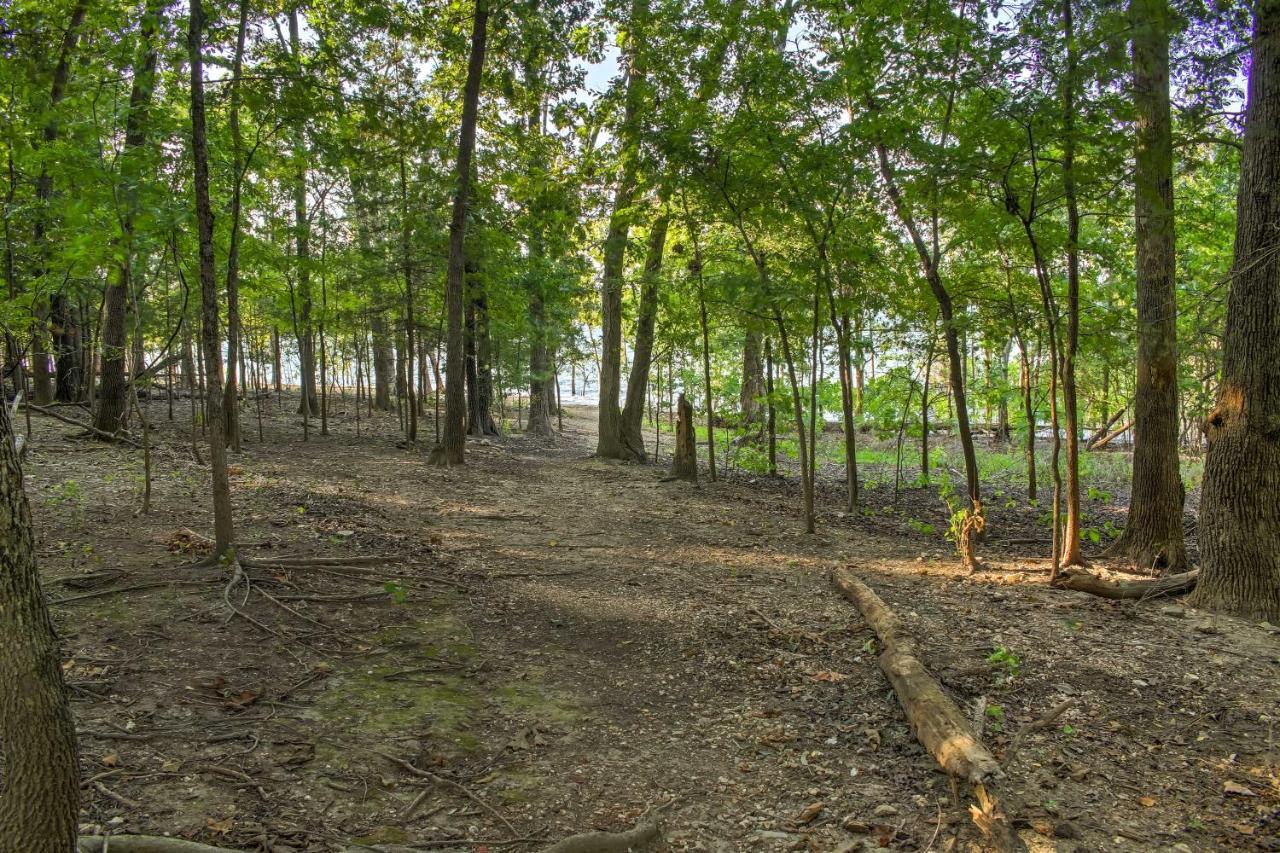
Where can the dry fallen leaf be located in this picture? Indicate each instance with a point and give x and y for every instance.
(1146, 802)
(110, 760)
(222, 827)
(808, 813)
(1237, 789)
(825, 675)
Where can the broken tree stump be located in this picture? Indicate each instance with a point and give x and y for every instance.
(684, 462)
(938, 723)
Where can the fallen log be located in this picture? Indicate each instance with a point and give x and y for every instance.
(1099, 443)
(84, 426)
(938, 723)
(1135, 588)
(143, 844)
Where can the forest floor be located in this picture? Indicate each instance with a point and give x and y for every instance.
(561, 643)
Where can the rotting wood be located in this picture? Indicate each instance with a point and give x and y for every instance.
(938, 723)
(1129, 589)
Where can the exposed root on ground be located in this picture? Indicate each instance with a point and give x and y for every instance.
(143, 844)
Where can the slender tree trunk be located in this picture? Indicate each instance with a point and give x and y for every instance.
(231, 405)
(112, 411)
(410, 321)
(1071, 540)
(706, 349)
(223, 523)
(302, 237)
(40, 788)
(1239, 512)
(771, 419)
(453, 445)
(1152, 538)
(642, 357)
(609, 442)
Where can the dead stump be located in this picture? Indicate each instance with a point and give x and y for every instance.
(684, 462)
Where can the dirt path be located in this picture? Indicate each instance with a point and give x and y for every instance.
(569, 642)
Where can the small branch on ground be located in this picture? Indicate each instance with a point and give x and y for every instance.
(1034, 726)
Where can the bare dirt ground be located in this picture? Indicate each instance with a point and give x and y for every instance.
(560, 644)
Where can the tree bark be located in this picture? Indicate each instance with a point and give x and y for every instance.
(231, 403)
(112, 410)
(1152, 538)
(684, 461)
(609, 442)
(1239, 510)
(211, 339)
(451, 450)
(752, 379)
(40, 786)
(642, 357)
(383, 363)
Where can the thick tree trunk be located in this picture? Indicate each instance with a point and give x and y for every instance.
(642, 357)
(383, 363)
(112, 412)
(68, 349)
(211, 339)
(452, 449)
(539, 366)
(39, 786)
(1152, 538)
(1239, 507)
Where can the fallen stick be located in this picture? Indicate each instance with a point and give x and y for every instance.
(1035, 726)
(84, 426)
(143, 844)
(939, 725)
(1099, 443)
(1138, 588)
(445, 780)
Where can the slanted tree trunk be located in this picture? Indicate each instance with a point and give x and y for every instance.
(1152, 538)
(684, 460)
(452, 449)
(642, 357)
(111, 413)
(1239, 506)
(40, 782)
(211, 339)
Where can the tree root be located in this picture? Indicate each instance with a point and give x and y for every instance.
(645, 832)
(143, 844)
(939, 725)
(1140, 589)
(89, 428)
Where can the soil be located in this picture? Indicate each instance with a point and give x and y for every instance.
(558, 644)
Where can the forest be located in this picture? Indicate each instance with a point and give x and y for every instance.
(589, 426)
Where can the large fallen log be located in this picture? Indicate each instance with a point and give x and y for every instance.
(1135, 588)
(90, 428)
(938, 723)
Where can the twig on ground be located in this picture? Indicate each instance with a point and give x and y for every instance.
(1035, 725)
(444, 780)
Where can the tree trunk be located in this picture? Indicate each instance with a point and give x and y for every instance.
(684, 461)
(112, 412)
(40, 787)
(752, 380)
(539, 365)
(383, 363)
(1152, 538)
(211, 340)
(478, 346)
(609, 442)
(1239, 510)
(451, 450)
(231, 403)
(1071, 420)
(642, 357)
